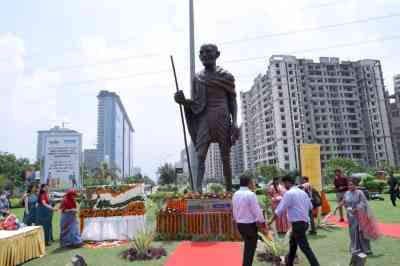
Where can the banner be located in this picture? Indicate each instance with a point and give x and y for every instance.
(209, 205)
(62, 161)
(310, 160)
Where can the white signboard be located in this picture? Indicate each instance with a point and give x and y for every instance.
(62, 161)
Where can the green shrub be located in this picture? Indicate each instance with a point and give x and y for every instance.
(373, 184)
(267, 205)
(215, 188)
(260, 191)
(329, 189)
(16, 203)
(160, 197)
(143, 240)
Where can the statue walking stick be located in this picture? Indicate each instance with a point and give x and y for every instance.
(183, 126)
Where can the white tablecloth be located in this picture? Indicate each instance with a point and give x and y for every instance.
(112, 228)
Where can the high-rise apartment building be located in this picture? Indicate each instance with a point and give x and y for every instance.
(114, 134)
(396, 83)
(213, 172)
(337, 104)
(237, 157)
(393, 105)
(214, 167)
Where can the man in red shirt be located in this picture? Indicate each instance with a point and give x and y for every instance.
(341, 184)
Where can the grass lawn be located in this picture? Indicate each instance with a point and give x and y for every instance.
(331, 248)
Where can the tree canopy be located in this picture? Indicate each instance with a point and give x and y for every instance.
(267, 172)
(167, 174)
(12, 170)
(347, 166)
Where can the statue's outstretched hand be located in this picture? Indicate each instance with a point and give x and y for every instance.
(180, 97)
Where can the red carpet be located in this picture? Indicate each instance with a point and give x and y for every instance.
(392, 230)
(206, 254)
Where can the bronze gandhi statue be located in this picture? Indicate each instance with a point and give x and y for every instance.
(211, 113)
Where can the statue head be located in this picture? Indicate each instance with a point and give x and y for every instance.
(209, 54)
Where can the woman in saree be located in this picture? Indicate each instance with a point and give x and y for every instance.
(69, 229)
(362, 224)
(44, 213)
(275, 190)
(30, 203)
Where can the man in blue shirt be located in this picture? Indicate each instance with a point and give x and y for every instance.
(298, 206)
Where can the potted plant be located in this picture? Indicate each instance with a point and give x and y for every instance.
(141, 248)
(273, 248)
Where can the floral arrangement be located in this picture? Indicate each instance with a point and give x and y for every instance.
(106, 201)
(133, 209)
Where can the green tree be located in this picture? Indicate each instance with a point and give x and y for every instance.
(104, 172)
(267, 172)
(36, 166)
(13, 169)
(140, 178)
(347, 166)
(167, 174)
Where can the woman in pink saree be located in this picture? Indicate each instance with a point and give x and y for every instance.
(275, 190)
(363, 226)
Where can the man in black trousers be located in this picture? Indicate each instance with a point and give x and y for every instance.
(298, 206)
(248, 217)
(393, 189)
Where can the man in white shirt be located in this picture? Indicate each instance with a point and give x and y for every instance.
(298, 206)
(248, 217)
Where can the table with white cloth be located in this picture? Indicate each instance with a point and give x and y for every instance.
(112, 228)
(18, 246)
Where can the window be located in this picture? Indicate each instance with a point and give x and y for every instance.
(281, 102)
(276, 65)
(278, 72)
(285, 141)
(284, 133)
(286, 149)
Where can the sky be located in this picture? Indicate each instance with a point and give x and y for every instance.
(55, 56)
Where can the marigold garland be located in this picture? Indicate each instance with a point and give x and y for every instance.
(133, 209)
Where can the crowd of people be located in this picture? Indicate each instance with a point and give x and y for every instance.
(295, 207)
(38, 210)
